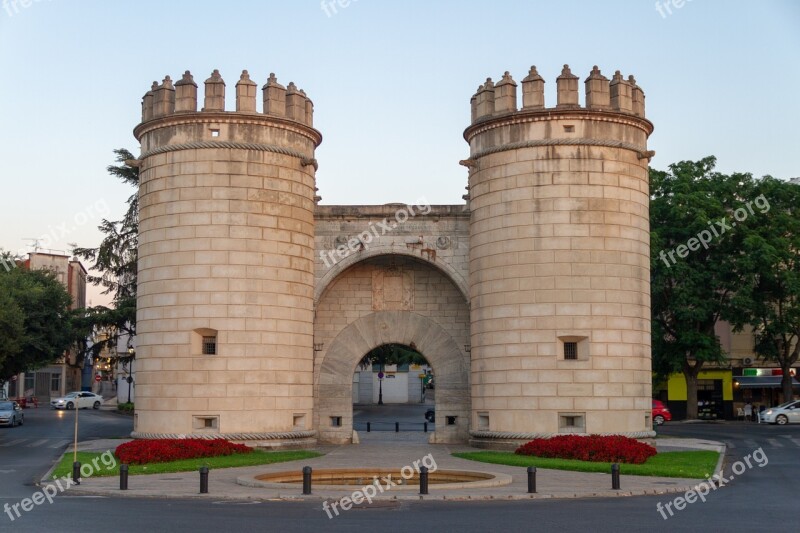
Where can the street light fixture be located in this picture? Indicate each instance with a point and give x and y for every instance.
(131, 354)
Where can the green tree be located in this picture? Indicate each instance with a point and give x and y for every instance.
(692, 282)
(12, 321)
(393, 354)
(35, 323)
(115, 261)
(769, 301)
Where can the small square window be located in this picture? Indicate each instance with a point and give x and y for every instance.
(571, 422)
(569, 129)
(570, 350)
(209, 345)
(299, 421)
(483, 420)
(573, 348)
(215, 133)
(451, 420)
(336, 421)
(206, 422)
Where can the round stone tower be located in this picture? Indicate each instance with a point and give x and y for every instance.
(559, 259)
(225, 281)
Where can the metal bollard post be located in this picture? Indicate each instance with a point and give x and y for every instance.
(531, 480)
(615, 476)
(203, 480)
(306, 480)
(368, 427)
(76, 472)
(123, 477)
(397, 427)
(425, 427)
(423, 480)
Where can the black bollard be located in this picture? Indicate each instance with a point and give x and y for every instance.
(397, 427)
(531, 480)
(423, 480)
(203, 480)
(425, 427)
(76, 472)
(123, 477)
(615, 476)
(306, 480)
(368, 427)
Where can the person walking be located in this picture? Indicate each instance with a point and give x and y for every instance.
(748, 411)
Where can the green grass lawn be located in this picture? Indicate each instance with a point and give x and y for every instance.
(256, 457)
(694, 464)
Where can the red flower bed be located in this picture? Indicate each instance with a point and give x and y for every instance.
(139, 452)
(601, 449)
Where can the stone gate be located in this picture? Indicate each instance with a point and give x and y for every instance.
(531, 300)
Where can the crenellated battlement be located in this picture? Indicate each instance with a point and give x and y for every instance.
(617, 95)
(181, 97)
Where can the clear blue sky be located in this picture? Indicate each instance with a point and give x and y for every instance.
(390, 80)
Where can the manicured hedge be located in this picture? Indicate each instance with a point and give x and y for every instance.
(144, 451)
(598, 448)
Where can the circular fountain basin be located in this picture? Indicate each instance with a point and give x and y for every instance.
(350, 478)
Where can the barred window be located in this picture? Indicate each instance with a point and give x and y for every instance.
(570, 350)
(209, 345)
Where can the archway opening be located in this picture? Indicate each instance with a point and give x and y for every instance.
(393, 390)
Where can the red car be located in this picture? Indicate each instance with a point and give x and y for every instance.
(661, 413)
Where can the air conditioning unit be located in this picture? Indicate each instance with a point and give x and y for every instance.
(748, 361)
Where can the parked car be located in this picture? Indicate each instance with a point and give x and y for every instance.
(83, 400)
(11, 414)
(661, 413)
(785, 413)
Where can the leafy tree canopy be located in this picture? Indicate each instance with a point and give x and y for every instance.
(35, 320)
(393, 354)
(768, 301)
(116, 261)
(695, 249)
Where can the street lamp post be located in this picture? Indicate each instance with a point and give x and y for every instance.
(380, 387)
(131, 353)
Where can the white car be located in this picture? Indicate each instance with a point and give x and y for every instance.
(83, 400)
(785, 413)
(11, 414)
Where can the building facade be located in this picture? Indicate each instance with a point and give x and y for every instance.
(724, 389)
(64, 374)
(530, 301)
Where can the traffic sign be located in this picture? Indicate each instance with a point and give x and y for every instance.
(98, 377)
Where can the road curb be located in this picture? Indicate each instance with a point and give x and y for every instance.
(133, 493)
(721, 461)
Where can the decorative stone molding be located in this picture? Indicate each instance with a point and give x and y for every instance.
(505, 435)
(228, 436)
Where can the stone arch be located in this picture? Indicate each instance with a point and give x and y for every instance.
(333, 394)
(390, 249)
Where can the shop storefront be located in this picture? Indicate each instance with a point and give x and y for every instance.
(714, 395)
(761, 387)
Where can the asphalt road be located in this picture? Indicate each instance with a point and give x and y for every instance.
(759, 498)
(28, 451)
